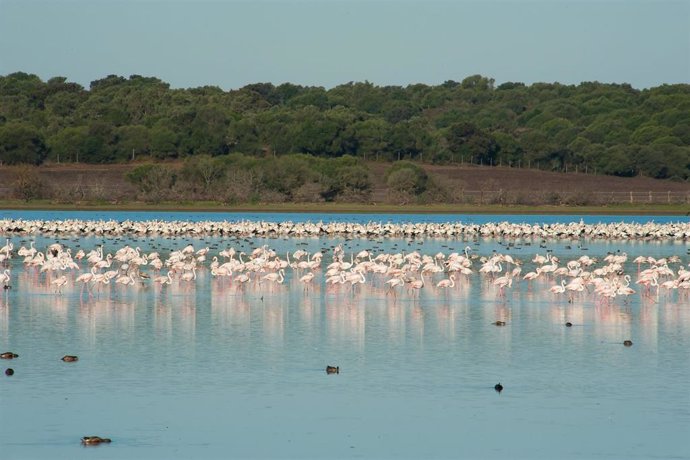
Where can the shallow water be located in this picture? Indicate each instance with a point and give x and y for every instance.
(339, 217)
(207, 370)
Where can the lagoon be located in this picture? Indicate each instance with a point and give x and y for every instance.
(335, 217)
(209, 370)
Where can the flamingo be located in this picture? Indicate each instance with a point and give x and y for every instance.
(125, 280)
(393, 282)
(242, 279)
(5, 277)
(558, 289)
(418, 284)
(163, 280)
(7, 248)
(85, 278)
(336, 278)
(447, 283)
(502, 282)
(278, 277)
(356, 278)
(189, 276)
(306, 279)
(532, 275)
(59, 283)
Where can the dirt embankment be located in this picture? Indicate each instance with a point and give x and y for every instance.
(469, 184)
(490, 183)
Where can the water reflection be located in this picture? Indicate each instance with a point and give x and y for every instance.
(345, 322)
(174, 308)
(193, 352)
(5, 318)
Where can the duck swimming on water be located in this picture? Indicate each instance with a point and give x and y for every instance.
(332, 369)
(8, 355)
(94, 440)
(69, 358)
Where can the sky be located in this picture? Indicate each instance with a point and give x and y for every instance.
(232, 43)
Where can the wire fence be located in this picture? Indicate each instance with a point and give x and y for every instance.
(581, 197)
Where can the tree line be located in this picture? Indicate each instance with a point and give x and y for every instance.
(591, 127)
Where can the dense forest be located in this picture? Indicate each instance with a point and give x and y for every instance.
(591, 127)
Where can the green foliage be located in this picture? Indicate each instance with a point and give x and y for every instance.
(69, 144)
(405, 177)
(549, 125)
(153, 181)
(203, 170)
(287, 174)
(402, 184)
(293, 177)
(21, 143)
(467, 140)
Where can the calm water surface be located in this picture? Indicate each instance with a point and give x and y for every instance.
(207, 370)
(339, 217)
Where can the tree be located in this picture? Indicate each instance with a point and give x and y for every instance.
(204, 170)
(163, 142)
(132, 141)
(664, 161)
(207, 130)
(465, 139)
(619, 160)
(478, 82)
(401, 185)
(407, 176)
(543, 124)
(21, 143)
(69, 144)
(353, 182)
(371, 136)
(98, 146)
(153, 181)
(648, 133)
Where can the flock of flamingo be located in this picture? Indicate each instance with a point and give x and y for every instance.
(407, 273)
(620, 230)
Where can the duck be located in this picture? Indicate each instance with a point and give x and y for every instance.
(627, 343)
(94, 440)
(9, 371)
(332, 369)
(70, 358)
(568, 324)
(499, 323)
(8, 355)
(498, 387)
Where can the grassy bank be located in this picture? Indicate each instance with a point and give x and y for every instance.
(318, 208)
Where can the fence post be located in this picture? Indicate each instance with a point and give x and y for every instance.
(631, 198)
(650, 196)
(669, 197)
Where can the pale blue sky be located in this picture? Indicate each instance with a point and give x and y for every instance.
(231, 43)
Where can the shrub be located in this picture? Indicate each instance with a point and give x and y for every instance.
(153, 181)
(402, 185)
(28, 184)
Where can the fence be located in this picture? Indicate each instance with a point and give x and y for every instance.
(567, 197)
